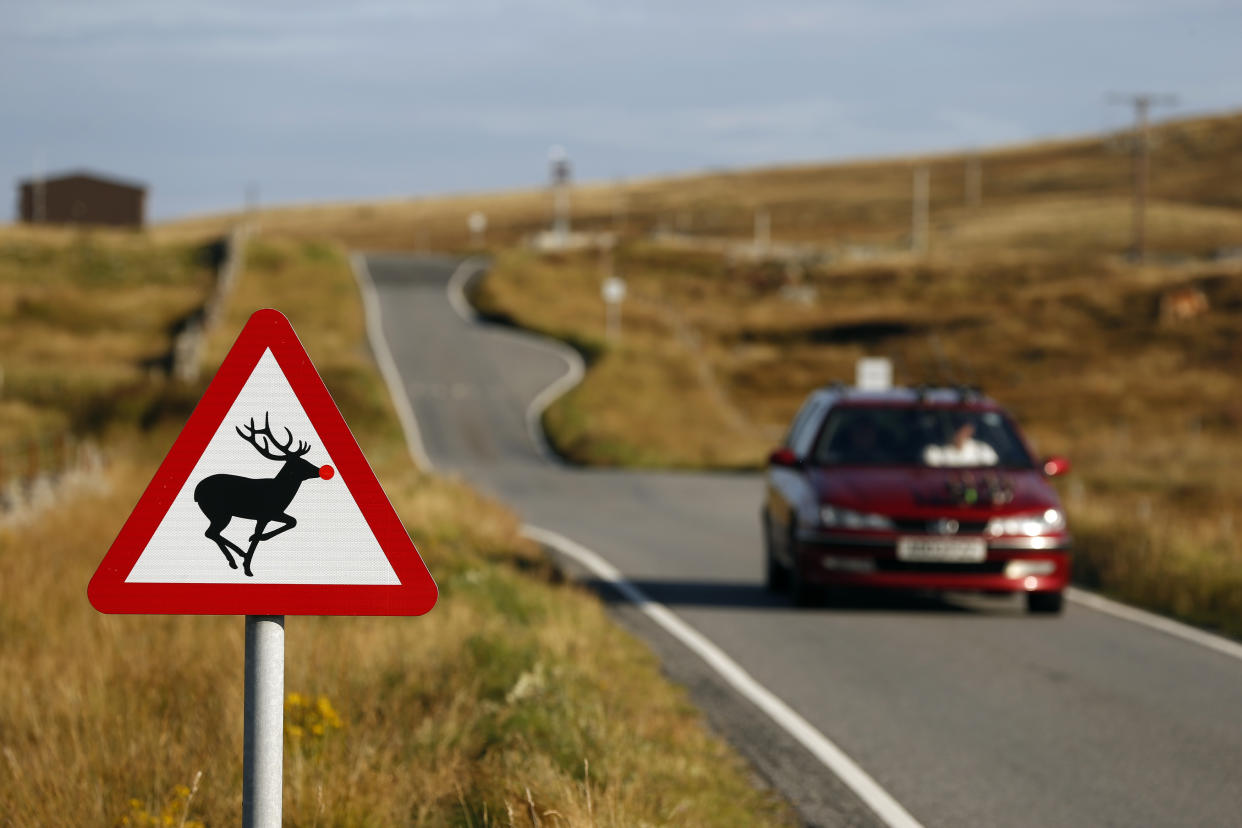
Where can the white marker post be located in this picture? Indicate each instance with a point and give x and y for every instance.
(613, 292)
(264, 729)
(477, 222)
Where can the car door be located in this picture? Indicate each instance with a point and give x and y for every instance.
(788, 487)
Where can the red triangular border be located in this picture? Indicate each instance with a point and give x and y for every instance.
(265, 330)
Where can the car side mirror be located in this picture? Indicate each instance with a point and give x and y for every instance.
(1056, 465)
(785, 458)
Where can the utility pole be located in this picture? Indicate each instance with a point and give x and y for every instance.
(620, 208)
(1141, 163)
(763, 229)
(974, 181)
(919, 211)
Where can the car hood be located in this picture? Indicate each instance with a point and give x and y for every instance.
(920, 490)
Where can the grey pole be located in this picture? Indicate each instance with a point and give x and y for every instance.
(612, 321)
(763, 229)
(922, 192)
(263, 749)
(974, 181)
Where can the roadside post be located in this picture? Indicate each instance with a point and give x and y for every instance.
(613, 292)
(559, 175)
(477, 222)
(265, 447)
(921, 197)
(763, 230)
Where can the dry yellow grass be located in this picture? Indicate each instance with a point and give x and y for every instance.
(86, 325)
(1195, 164)
(515, 702)
(1146, 407)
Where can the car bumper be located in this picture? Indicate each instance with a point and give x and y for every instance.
(1011, 565)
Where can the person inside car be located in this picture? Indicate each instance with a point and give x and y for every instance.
(962, 450)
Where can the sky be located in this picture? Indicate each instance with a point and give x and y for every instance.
(321, 101)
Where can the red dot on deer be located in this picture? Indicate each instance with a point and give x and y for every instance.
(326, 472)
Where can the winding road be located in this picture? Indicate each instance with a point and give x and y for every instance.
(899, 711)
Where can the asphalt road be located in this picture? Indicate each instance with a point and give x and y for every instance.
(966, 711)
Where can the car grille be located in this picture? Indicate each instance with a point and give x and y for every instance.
(981, 568)
(932, 527)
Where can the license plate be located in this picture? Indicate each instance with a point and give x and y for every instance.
(942, 550)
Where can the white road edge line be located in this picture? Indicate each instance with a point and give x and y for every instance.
(387, 365)
(457, 287)
(821, 747)
(576, 368)
(534, 413)
(831, 756)
(835, 759)
(1159, 623)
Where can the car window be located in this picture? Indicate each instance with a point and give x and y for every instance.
(919, 436)
(803, 434)
(800, 420)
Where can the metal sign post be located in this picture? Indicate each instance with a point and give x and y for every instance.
(264, 729)
(348, 554)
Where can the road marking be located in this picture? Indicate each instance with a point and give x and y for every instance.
(831, 756)
(575, 367)
(576, 371)
(456, 288)
(1156, 622)
(387, 365)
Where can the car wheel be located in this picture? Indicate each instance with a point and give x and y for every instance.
(801, 593)
(777, 576)
(1045, 603)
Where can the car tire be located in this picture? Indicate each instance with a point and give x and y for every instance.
(801, 593)
(1045, 603)
(777, 576)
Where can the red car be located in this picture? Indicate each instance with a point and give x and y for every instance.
(912, 489)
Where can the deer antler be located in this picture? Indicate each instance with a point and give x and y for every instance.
(270, 442)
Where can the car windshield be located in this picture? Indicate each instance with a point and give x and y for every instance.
(919, 436)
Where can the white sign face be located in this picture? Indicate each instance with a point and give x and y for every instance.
(873, 374)
(613, 290)
(331, 542)
(477, 222)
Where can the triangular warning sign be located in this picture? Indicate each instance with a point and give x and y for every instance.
(264, 505)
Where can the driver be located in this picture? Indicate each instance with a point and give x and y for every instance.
(962, 450)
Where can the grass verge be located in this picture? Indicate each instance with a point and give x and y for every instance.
(515, 702)
(1076, 345)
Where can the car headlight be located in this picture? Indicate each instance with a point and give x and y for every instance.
(1033, 525)
(837, 518)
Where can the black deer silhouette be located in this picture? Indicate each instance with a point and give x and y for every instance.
(264, 500)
